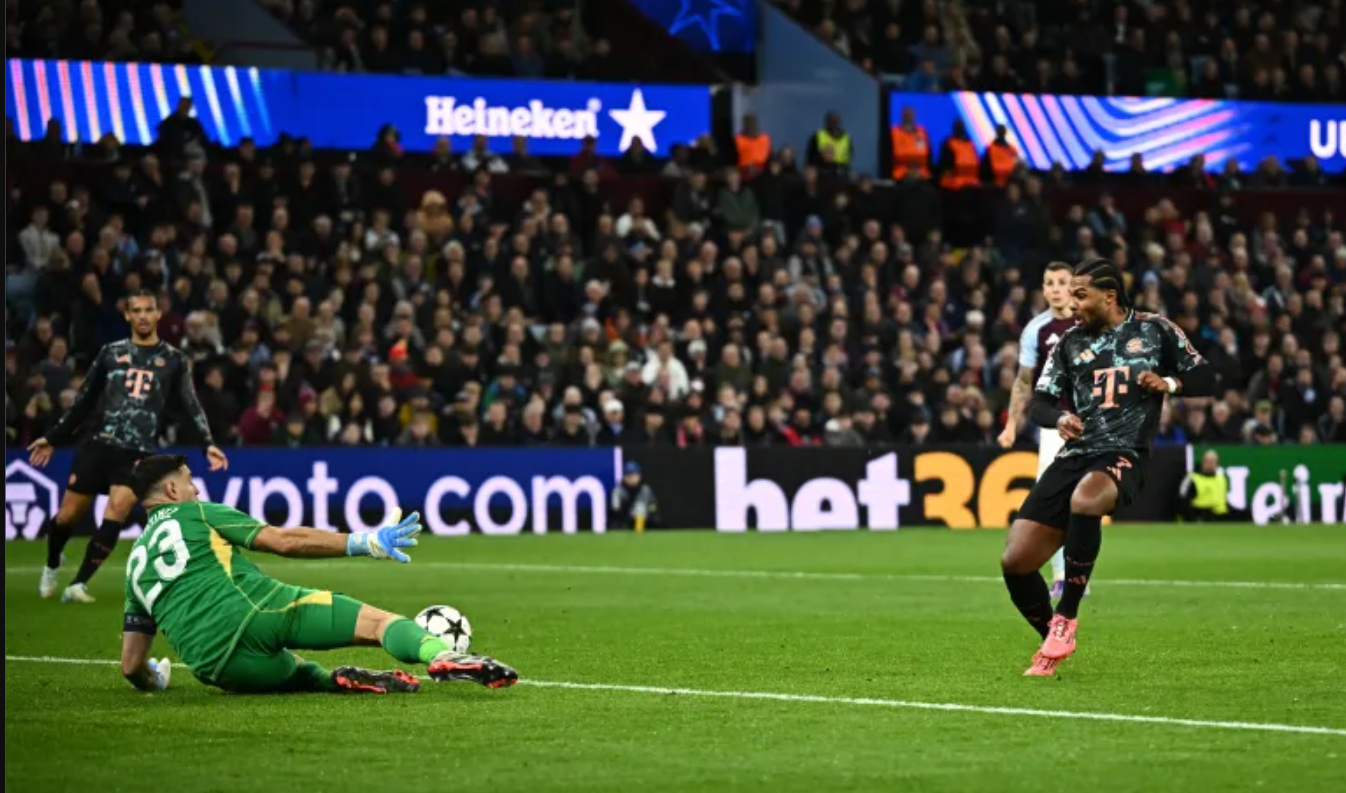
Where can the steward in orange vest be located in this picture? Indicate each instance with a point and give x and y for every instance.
(911, 147)
(958, 162)
(1001, 158)
(754, 148)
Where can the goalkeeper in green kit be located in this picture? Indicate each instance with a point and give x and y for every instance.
(235, 627)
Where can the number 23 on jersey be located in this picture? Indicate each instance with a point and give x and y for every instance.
(170, 560)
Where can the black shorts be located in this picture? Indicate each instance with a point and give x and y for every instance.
(1048, 502)
(98, 467)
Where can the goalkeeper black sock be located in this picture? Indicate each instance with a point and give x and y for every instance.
(1031, 596)
(1083, 539)
(58, 534)
(101, 545)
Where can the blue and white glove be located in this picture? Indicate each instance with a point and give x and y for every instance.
(384, 543)
(163, 672)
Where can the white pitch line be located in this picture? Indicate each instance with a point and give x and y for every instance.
(798, 575)
(818, 576)
(944, 706)
(50, 659)
(804, 575)
(951, 707)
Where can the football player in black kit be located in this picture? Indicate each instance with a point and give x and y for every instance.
(1116, 367)
(117, 417)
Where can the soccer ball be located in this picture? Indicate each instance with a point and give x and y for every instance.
(449, 624)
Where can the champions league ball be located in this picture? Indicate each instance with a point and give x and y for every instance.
(449, 624)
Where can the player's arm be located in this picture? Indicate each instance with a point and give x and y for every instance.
(1020, 395)
(138, 668)
(86, 399)
(301, 543)
(1022, 390)
(1192, 375)
(136, 661)
(243, 530)
(306, 543)
(191, 405)
(1051, 387)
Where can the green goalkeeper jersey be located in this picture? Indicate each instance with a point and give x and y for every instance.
(187, 577)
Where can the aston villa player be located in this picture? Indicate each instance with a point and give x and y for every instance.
(1039, 338)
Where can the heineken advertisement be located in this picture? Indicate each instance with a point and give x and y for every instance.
(1295, 484)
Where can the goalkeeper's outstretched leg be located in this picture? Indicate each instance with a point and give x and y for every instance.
(321, 620)
(408, 642)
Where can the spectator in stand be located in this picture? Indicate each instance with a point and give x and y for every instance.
(181, 136)
(38, 241)
(526, 60)
(572, 430)
(1191, 49)
(753, 147)
(480, 157)
(959, 165)
(736, 206)
(520, 161)
(911, 147)
(260, 423)
(588, 159)
(387, 149)
(1001, 159)
(637, 160)
(612, 431)
(925, 80)
(665, 371)
(830, 147)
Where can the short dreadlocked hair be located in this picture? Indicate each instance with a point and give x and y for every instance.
(1105, 274)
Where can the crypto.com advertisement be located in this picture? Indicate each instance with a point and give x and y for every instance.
(457, 491)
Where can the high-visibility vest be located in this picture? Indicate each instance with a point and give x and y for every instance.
(911, 149)
(752, 152)
(1212, 492)
(840, 145)
(1003, 160)
(965, 168)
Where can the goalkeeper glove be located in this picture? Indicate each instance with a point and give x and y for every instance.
(384, 543)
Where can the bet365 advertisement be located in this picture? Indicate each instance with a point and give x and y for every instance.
(488, 491)
(1166, 132)
(346, 111)
(881, 489)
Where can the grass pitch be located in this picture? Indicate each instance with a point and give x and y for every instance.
(850, 634)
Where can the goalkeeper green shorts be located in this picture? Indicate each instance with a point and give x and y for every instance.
(295, 619)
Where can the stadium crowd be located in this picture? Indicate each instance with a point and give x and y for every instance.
(113, 30)
(1252, 49)
(324, 304)
(532, 39)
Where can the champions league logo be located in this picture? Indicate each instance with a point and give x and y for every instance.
(30, 498)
